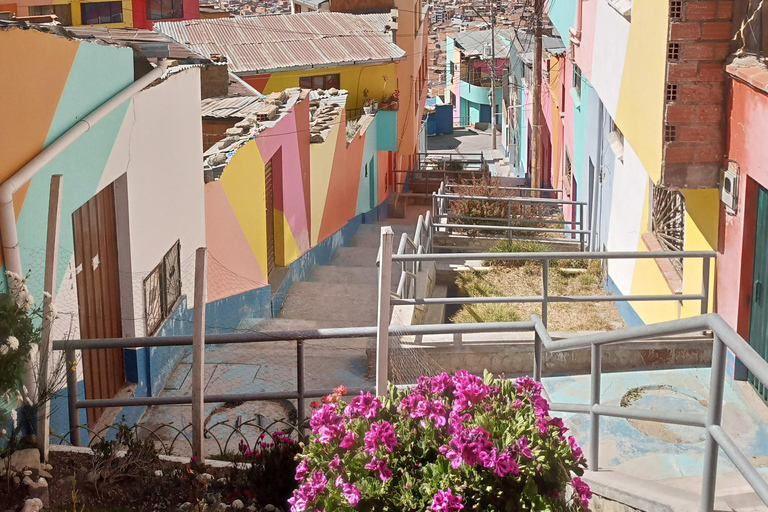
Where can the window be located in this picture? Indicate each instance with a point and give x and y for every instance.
(567, 174)
(668, 221)
(753, 38)
(62, 11)
(616, 140)
(162, 289)
(297, 9)
(320, 82)
(95, 13)
(165, 9)
(577, 80)
(671, 92)
(451, 68)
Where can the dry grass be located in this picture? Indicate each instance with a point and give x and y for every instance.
(525, 281)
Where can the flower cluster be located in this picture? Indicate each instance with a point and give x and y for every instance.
(450, 442)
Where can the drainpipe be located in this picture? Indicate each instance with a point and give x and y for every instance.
(10, 238)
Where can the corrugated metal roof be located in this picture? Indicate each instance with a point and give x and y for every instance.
(472, 43)
(137, 38)
(272, 43)
(237, 106)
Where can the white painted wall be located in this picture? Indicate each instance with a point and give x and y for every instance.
(608, 54)
(629, 190)
(159, 149)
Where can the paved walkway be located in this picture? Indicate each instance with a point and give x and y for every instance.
(670, 455)
(471, 140)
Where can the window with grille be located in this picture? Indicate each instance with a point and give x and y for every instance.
(165, 9)
(577, 80)
(668, 221)
(162, 289)
(568, 173)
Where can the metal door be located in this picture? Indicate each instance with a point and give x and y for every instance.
(270, 206)
(98, 295)
(758, 323)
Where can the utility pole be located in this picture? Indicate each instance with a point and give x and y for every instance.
(493, 76)
(536, 170)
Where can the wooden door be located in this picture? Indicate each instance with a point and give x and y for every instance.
(758, 320)
(98, 295)
(270, 206)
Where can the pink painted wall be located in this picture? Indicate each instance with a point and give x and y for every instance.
(747, 126)
(583, 52)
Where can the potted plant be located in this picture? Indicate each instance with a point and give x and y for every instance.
(450, 443)
(367, 102)
(394, 100)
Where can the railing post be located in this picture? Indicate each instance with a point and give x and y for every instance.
(594, 399)
(581, 227)
(705, 285)
(714, 415)
(382, 334)
(457, 340)
(70, 360)
(44, 394)
(537, 354)
(509, 220)
(300, 412)
(198, 353)
(544, 291)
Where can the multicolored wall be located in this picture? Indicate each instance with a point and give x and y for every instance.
(319, 188)
(620, 68)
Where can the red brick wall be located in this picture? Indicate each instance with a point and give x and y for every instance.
(694, 111)
(362, 5)
(215, 129)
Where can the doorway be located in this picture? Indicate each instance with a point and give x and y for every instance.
(758, 319)
(98, 295)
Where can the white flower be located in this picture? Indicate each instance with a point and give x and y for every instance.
(29, 402)
(3, 432)
(14, 416)
(13, 342)
(24, 389)
(33, 351)
(3, 349)
(46, 295)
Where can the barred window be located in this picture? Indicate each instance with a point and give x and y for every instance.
(162, 289)
(668, 221)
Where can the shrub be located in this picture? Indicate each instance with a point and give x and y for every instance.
(513, 246)
(269, 477)
(125, 457)
(448, 444)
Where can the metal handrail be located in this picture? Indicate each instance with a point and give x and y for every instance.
(418, 247)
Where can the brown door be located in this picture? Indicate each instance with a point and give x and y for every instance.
(98, 295)
(270, 195)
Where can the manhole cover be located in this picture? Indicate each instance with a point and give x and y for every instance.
(665, 398)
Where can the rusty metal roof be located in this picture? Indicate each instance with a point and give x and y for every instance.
(262, 44)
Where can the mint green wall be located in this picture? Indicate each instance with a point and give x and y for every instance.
(386, 130)
(562, 15)
(370, 154)
(97, 73)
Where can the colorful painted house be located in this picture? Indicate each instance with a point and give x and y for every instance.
(112, 13)
(639, 96)
(468, 75)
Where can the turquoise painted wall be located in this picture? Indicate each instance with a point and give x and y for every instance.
(386, 130)
(97, 73)
(580, 160)
(370, 164)
(563, 16)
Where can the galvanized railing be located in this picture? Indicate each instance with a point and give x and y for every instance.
(445, 220)
(434, 168)
(546, 257)
(421, 243)
(723, 336)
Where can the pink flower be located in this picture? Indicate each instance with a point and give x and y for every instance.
(522, 445)
(327, 423)
(365, 405)
(301, 470)
(445, 501)
(470, 390)
(352, 494)
(339, 481)
(506, 464)
(381, 433)
(335, 462)
(577, 453)
(583, 491)
(350, 440)
(380, 465)
(441, 383)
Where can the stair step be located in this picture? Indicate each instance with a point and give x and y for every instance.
(355, 257)
(351, 275)
(351, 305)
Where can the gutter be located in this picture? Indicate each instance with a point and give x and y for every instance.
(10, 238)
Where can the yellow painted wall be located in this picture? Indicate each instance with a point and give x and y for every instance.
(701, 229)
(640, 112)
(286, 249)
(243, 182)
(353, 78)
(321, 162)
(555, 122)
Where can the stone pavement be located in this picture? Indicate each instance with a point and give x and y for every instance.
(342, 294)
(471, 140)
(670, 455)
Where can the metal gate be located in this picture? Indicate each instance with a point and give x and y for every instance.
(98, 295)
(758, 320)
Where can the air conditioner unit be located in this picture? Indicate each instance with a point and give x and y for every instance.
(729, 186)
(487, 52)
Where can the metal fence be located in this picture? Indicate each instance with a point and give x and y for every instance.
(437, 167)
(523, 220)
(723, 336)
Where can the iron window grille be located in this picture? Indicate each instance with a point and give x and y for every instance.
(162, 289)
(96, 13)
(668, 221)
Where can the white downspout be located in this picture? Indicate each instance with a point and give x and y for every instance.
(10, 238)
